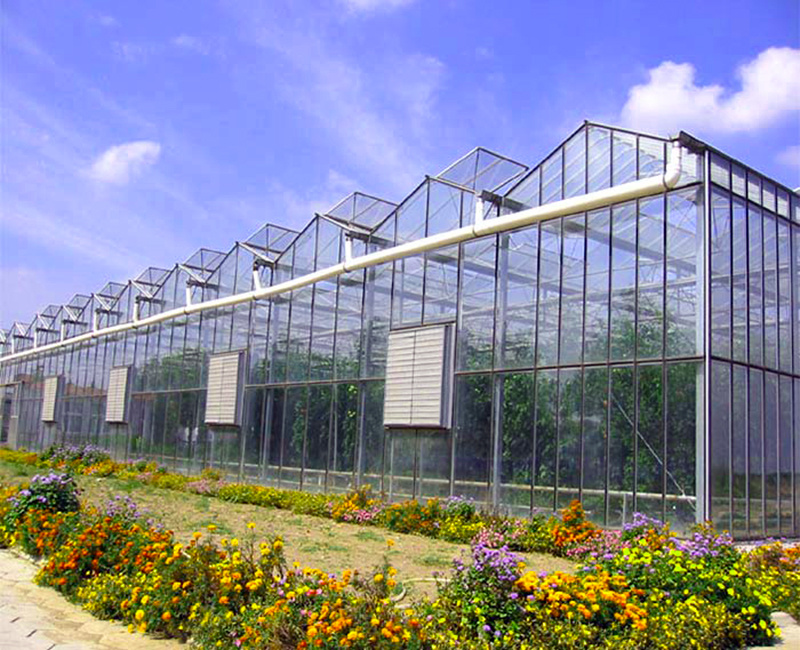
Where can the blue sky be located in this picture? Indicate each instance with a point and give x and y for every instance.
(135, 132)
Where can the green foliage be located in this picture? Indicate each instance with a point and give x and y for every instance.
(53, 492)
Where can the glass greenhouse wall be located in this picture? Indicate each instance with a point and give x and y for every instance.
(641, 357)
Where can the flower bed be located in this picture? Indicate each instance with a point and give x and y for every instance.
(453, 519)
(646, 590)
(639, 588)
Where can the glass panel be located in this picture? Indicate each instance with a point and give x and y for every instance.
(253, 431)
(768, 196)
(650, 307)
(720, 170)
(740, 281)
(783, 203)
(771, 453)
(595, 436)
(441, 283)
(796, 457)
(408, 281)
(549, 294)
(299, 334)
(756, 279)
(527, 192)
(650, 441)
(545, 441)
(651, 157)
(755, 428)
(599, 159)
(552, 178)
(517, 423)
(738, 183)
(796, 287)
(570, 407)
(348, 325)
(785, 454)
(477, 304)
(434, 464)
(684, 418)
(473, 436)
(739, 451)
(575, 165)
(515, 319)
(598, 259)
(572, 290)
(317, 438)
(345, 438)
(444, 208)
(770, 292)
(720, 274)
(719, 451)
(620, 450)
(372, 450)
(684, 289)
(623, 281)
(402, 462)
(624, 157)
(322, 330)
(294, 430)
(754, 187)
(784, 296)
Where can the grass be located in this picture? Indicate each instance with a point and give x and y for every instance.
(312, 541)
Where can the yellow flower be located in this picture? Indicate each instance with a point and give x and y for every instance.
(139, 614)
(145, 599)
(378, 577)
(251, 525)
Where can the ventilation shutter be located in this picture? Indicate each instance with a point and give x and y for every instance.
(51, 385)
(399, 377)
(417, 384)
(428, 376)
(222, 401)
(117, 400)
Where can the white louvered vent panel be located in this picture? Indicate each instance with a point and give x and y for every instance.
(49, 401)
(223, 389)
(428, 376)
(415, 380)
(399, 378)
(117, 399)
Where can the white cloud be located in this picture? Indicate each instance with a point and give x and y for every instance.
(672, 100)
(190, 44)
(107, 20)
(131, 52)
(370, 6)
(790, 156)
(119, 163)
(380, 114)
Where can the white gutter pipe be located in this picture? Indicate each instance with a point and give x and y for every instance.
(600, 199)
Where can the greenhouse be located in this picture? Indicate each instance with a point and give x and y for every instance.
(618, 324)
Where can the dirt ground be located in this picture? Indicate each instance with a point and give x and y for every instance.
(311, 541)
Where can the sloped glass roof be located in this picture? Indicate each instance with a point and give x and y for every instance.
(361, 209)
(482, 169)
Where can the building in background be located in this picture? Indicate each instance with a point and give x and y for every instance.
(642, 355)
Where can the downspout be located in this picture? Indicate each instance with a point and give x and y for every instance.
(601, 198)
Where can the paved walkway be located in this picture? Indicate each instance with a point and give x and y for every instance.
(39, 618)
